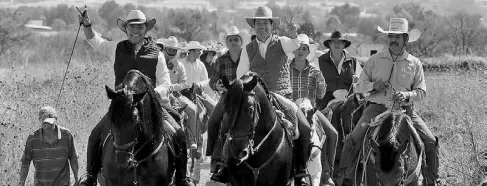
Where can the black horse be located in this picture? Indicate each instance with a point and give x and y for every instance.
(138, 149)
(258, 151)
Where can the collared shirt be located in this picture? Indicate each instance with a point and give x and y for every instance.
(406, 74)
(224, 65)
(307, 83)
(196, 71)
(51, 160)
(288, 45)
(340, 64)
(179, 78)
(108, 49)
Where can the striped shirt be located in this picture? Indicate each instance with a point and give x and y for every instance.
(224, 65)
(307, 83)
(51, 160)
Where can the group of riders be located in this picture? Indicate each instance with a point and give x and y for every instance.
(292, 67)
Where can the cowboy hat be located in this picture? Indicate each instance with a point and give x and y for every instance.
(401, 26)
(263, 12)
(304, 39)
(336, 35)
(233, 31)
(135, 17)
(171, 42)
(194, 45)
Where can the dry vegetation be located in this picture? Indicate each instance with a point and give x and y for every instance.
(455, 108)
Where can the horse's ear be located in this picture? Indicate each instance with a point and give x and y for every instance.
(111, 94)
(249, 86)
(374, 145)
(402, 148)
(225, 81)
(140, 96)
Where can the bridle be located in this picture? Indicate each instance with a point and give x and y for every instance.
(129, 148)
(250, 137)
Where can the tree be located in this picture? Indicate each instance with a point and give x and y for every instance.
(188, 23)
(465, 30)
(58, 24)
(12, 31)
(333, 23)
(348, 15)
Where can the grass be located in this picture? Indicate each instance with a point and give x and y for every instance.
(455, 108)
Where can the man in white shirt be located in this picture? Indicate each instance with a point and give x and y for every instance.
(140, 53)
(197, 74)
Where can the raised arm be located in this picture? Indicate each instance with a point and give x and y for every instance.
(103, 46)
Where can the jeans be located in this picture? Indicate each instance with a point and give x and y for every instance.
(190, 111)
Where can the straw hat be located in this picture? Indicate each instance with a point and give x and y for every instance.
(135, 17)
(263, 12)
(401, 26)
(194, 45)
(233, 31)
(171, 42)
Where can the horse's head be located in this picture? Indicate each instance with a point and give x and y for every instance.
(390, 150)
(131, 114)
(189, 93)
(245, 100)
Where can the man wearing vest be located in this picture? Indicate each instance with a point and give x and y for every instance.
(140, 53)
(267, 56)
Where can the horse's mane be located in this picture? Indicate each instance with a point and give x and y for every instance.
(150, 108)
(387, 138)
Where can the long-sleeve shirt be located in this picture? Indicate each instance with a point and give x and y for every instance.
(224, 65)
(179, 78)
(307, 83)
(288, 46)
(108, 48)
(406, 74)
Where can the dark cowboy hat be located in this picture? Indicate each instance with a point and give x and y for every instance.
(135, 17)
(336, 35)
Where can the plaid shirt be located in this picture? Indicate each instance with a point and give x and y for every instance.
(224, 65)
(308, 83)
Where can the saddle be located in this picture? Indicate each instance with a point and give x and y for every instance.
(286, 113)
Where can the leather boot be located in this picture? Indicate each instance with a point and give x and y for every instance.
(302, 151)
(221, 174)
(432, 163)
(182, 160)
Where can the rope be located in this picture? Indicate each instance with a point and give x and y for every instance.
(67, 67)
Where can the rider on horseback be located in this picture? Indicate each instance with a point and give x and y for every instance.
(140, 53)
(393, 74)
(225, 65)
(307, 82)
(179, 80)
(337, 66)
(267, 55)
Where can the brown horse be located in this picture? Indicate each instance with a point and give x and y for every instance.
(137, 150)
(393, 153)
(258, 150)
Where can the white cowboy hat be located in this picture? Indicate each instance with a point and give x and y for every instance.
(263, 12)
(401, 26)
(135, 17)
(194, 45)
(233, 31)
(171, 42)
(304, 39)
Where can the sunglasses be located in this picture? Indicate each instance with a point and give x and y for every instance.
(171, 51)
(233, 40)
